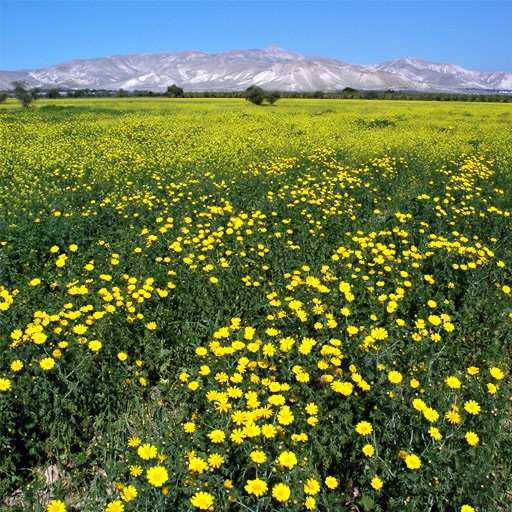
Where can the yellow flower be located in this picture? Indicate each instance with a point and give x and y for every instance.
(310, 503)
(379, 333)
(414, 383)
(285, 415)
(376, 483)
(312, 408)
(281, 492)
(453, 417)
(412, 461)
(122, 356)
(258, 456)
(147, 451)
(492, 388)
(287, 459)
(419, 404)
(204, 370)
(157, 476)
(467, 508)
(189, 427)
(472, 407)
(368, 450)
(135, 471)
(237, 436)
(344, 388)
(39, 338)
(312, 486)
(364, 428)
(128, 493)
(197, 465)
(430, 414)
(202, 500)
(453, 382)
(249, 333)
(472, 438)
(331, 482)
(268, 430)
(56, 506)
(257, 487)
(395, 377)
(80, 329)
(217, 436)
(94, 345)
(47, 363)
(496, 373)
(473, 370)
(133, 442)
(434, 433)
(16, 365)
(115, 506)
(215, 460)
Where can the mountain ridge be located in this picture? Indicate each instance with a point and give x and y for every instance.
(271, 68)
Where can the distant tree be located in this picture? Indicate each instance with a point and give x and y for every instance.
(53, 94)
(121, 93)
(272, 97)
(255, 94)
(21, 93)
(3, 97)
(173, 91)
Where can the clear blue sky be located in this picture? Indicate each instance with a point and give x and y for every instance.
(473, 34)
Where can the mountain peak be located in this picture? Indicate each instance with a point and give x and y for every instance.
(273, 68)
(279, 53)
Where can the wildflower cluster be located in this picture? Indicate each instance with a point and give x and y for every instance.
(214, 320)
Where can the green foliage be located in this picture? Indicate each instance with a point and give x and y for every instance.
(257, 95)
(173, 91)
(53, 94)
(21, 93)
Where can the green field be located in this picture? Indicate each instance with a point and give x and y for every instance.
(210, 305)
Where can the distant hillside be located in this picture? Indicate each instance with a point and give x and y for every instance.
(272, 68)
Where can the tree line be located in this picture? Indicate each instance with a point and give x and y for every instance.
(254, 94)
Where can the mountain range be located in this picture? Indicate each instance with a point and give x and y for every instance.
(271, 69)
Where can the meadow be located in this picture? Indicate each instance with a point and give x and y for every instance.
(210, 305)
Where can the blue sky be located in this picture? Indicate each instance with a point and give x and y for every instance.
(473, 34)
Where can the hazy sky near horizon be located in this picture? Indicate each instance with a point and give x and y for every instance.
(474, 34)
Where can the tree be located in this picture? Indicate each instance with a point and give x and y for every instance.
(21, 93)
(53, 94)
(272, 97)
(121, 93)
(3, 97)
(255, 94)
(173, 91)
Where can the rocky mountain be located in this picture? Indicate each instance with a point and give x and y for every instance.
(272, 68)
(446, 76)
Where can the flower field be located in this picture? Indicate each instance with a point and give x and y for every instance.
(209, 305)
